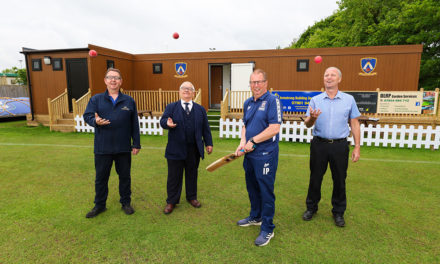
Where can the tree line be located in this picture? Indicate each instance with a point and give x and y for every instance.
(379, 23)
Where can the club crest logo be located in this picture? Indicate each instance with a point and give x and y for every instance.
(180, 68)
(367, 66)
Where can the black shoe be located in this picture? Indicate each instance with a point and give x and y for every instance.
(308, 215)
(95, 211)
(128, 209)
(339, 220)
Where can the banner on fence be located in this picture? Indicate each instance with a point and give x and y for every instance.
(10, 107)
(295, 101)
(400, 103)
(366, 101)
(429, 105)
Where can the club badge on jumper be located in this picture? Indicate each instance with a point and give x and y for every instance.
(262, 106)
(125, 108)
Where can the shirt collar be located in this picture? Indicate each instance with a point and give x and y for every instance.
(338, 95)
(182, 102)
(263, 96)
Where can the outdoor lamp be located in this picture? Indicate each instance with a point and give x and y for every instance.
(47, 60)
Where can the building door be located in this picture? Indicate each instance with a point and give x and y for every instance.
(216, 86)
(77, 79)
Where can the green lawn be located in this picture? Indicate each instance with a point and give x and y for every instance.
(47, 187)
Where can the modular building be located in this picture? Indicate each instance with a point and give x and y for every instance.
(51, 72)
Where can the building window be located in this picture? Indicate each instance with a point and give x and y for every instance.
(57, 64)
(157, 68)
(110, 64)
(302, 65)
(36, 64)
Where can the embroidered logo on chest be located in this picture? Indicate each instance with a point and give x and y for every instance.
(262, 106)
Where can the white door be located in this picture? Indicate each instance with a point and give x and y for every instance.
(240, 73)
(240, 90)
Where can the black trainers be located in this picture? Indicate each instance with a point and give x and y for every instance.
(339, 220)
(95, 211)
(128, 209)
(308, 215)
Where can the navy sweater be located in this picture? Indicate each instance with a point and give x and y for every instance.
(122, 134)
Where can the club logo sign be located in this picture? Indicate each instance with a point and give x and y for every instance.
(180, 68)
(367, 66)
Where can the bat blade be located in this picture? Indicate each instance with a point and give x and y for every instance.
(221, 162)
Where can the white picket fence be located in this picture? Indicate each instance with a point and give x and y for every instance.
(385, 136)
(148, 125)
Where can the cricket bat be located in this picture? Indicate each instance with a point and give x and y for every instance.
(222, 161)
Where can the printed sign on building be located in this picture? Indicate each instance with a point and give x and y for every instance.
(400, 102)
(367, 66)
(180, 68)
(295, 101)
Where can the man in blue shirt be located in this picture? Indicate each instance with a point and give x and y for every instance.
(259, 143)
(331, 112)
(114, 116)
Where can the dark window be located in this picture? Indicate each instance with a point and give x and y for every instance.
(36, 64)
(157, 68)
(302, 65)
(57, 64)
(110, 64)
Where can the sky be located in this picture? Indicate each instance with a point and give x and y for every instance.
(142, 27)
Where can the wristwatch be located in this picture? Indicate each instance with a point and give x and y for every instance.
(252, 141)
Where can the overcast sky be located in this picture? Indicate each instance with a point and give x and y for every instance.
(140, 27)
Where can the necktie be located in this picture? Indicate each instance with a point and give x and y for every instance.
(186, 108)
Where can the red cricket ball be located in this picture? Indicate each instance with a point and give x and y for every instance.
(93, 53)
(318, 59)
(176, 35)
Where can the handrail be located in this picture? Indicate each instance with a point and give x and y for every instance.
(198, 98)
(156, 101)
(79, 105)
(224, 105)
(57, 107)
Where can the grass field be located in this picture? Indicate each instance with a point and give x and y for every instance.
(47, 187)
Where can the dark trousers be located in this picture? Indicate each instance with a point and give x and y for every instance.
(321, 154)
(175, 176)
(260, 181)
(103, 166)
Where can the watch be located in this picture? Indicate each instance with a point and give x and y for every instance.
(252, 141)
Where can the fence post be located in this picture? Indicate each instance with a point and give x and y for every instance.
(160, 101)
(49, 109)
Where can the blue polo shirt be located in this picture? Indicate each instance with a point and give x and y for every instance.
(257, 116)
(332, 123)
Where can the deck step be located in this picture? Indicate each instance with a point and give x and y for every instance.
(63, 128)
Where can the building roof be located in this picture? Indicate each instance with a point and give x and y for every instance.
(9, 74)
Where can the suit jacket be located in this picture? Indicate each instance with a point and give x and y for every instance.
(177, 148)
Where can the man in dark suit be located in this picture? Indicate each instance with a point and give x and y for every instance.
(188, 133)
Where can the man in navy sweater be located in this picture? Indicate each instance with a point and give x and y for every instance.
(115, 119)
(188, 133)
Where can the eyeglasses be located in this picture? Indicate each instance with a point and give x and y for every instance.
(116, 78)
(187, 89)
(257, 82)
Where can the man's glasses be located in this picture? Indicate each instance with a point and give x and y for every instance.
(187, 89)
(116, 78)
(256, 82)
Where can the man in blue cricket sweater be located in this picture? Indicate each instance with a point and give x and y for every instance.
(259, 143)
(114, 116)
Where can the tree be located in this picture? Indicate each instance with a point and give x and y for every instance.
(376, 22)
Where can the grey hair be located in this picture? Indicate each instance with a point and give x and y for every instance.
(338, 70)
(192, 86)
